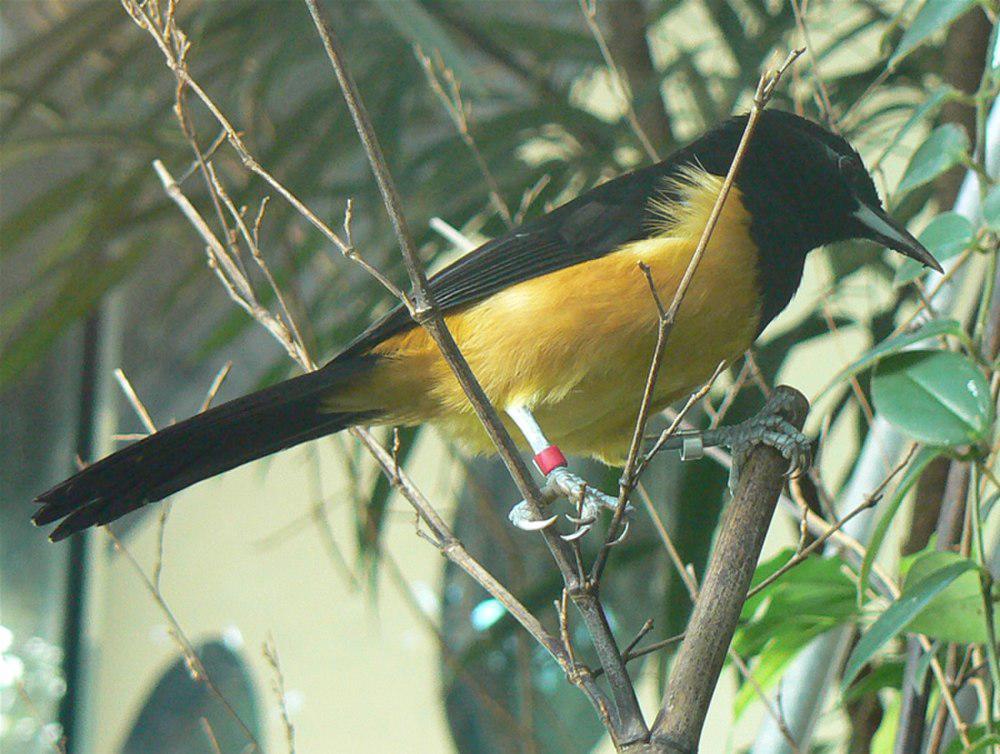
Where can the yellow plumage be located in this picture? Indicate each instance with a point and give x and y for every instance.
(574, 346)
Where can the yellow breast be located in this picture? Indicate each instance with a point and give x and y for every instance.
(575, 345)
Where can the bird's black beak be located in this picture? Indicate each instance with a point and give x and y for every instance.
(878, 226)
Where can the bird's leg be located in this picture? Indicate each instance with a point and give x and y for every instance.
(766, 428)
(559, 482)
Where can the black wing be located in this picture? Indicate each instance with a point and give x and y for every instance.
(585, 228)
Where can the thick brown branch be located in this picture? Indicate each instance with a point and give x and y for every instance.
(724, 588)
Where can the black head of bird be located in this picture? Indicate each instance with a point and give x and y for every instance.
(804, 186)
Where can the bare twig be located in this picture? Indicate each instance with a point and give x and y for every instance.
(458, 112)
(822, 94)
(270, 651)
(589, 8)
(172, 43)
(666, 318)
(803, 552)
(216, 385)
(250, 238)
(656, 646)
(229, 273)
(197, 668)
(133, 399)
(678, 419)
(628, 724)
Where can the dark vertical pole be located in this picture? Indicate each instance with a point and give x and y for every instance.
(79, 544)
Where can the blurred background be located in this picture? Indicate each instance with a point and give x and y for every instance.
(374, 643)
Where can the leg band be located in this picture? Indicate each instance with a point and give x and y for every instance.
(550, 458)
(692, 448)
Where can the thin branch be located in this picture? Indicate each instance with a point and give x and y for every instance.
(133, 399)
(803, 552)
(250, 239)
(821, 90)
(270, 651)
(216, 385)
(458, 112)
(589, 8)
(628, 724)
(235, 282)
(678, 419)
(197, 668)
(665, 322)
(177, 64)
(241, 291)
(442, 538)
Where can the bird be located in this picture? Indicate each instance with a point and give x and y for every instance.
(556, 319)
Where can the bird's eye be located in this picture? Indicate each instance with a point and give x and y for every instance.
(849, 166)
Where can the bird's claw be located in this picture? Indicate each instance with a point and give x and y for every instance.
(774, 431)
(561, 482)
(580, 532)
(521, 517)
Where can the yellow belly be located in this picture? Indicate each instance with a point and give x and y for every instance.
(574, 346)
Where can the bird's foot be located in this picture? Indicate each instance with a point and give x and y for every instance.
(561, 482)
(766, 428)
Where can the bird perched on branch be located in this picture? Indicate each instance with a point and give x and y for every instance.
(556, 320)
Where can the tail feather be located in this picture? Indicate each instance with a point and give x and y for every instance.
(210, 443)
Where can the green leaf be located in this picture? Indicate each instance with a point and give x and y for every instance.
(900, 614)
(987, 506)
(928, 107)
(936, 397)
(947, 235)
(890, 508)
(934, 328)
(957, 613)
(768, 670)
(945, 147)
(981, 741)
(807, 600)
(884, 740)
(991, 209)
(935, 15)
(887, 674)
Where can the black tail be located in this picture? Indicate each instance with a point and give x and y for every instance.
(214, 441)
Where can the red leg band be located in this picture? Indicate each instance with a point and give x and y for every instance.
(550, 458)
